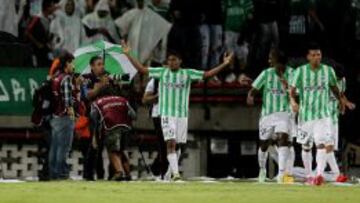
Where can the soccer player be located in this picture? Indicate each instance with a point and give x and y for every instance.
(174, 92)
(334, 112)
(313, 82)
(274, 123)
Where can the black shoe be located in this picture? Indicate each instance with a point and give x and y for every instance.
(118, 177)
(128, 178)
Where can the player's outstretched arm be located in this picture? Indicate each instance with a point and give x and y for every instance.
(139, 67)
(227, 59)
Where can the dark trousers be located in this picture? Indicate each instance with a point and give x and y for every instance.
(93, 161)
(160, 164)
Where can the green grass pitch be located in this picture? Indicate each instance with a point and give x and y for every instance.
(187, 192)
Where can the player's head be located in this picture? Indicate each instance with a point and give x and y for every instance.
(173, 60)
(66, 63)
(314, 54)
(97, 65)
(70, 7)
(277, 57)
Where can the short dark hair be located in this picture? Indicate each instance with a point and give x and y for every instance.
(280, 56)
(94, 59)
(174, 53)
(65, 58)
(313, 46)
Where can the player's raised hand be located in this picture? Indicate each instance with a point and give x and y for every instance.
(228, 57)
(125, 47)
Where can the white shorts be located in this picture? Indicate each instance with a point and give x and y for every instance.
(318, 131)
(335, 134)
(175, 129)
(274, 123)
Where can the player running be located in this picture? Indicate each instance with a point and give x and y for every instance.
(174, 93)
(313, 82)
(275, 118)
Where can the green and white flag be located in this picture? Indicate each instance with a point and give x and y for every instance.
(115, 61)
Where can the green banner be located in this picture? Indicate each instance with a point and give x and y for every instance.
(17, 86)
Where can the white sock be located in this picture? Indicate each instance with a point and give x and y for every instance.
(321, 157)
(274, 154)
(262, 157)
(290, 161)
(173, 163)
(331, 160)
(307, 161)
(283, 156)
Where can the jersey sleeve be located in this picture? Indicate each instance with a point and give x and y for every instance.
(332, 77)
(156, 72)
(342, 85)
(259, 81)
(195, 75)
(295, 78)
(290, 74)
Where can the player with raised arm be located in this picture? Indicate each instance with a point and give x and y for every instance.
(174, 93)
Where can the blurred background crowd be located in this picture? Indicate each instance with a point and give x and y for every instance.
(201, 31)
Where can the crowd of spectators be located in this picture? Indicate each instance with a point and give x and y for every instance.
(201, 31)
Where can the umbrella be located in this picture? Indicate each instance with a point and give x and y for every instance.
(115, 61)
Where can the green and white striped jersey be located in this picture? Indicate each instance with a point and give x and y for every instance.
(334, 103)
(314, 91)
(174, 89)
(275, 93)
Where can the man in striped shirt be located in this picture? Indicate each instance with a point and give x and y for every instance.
(313, 82)
(174, 93)
(275, 113)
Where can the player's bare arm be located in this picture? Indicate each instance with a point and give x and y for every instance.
(293, 103)
(226, 61)
(139, 67)
(335, 90)
(250, 97)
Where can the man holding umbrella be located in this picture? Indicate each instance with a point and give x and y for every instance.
(93, 83)
(96, 62)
